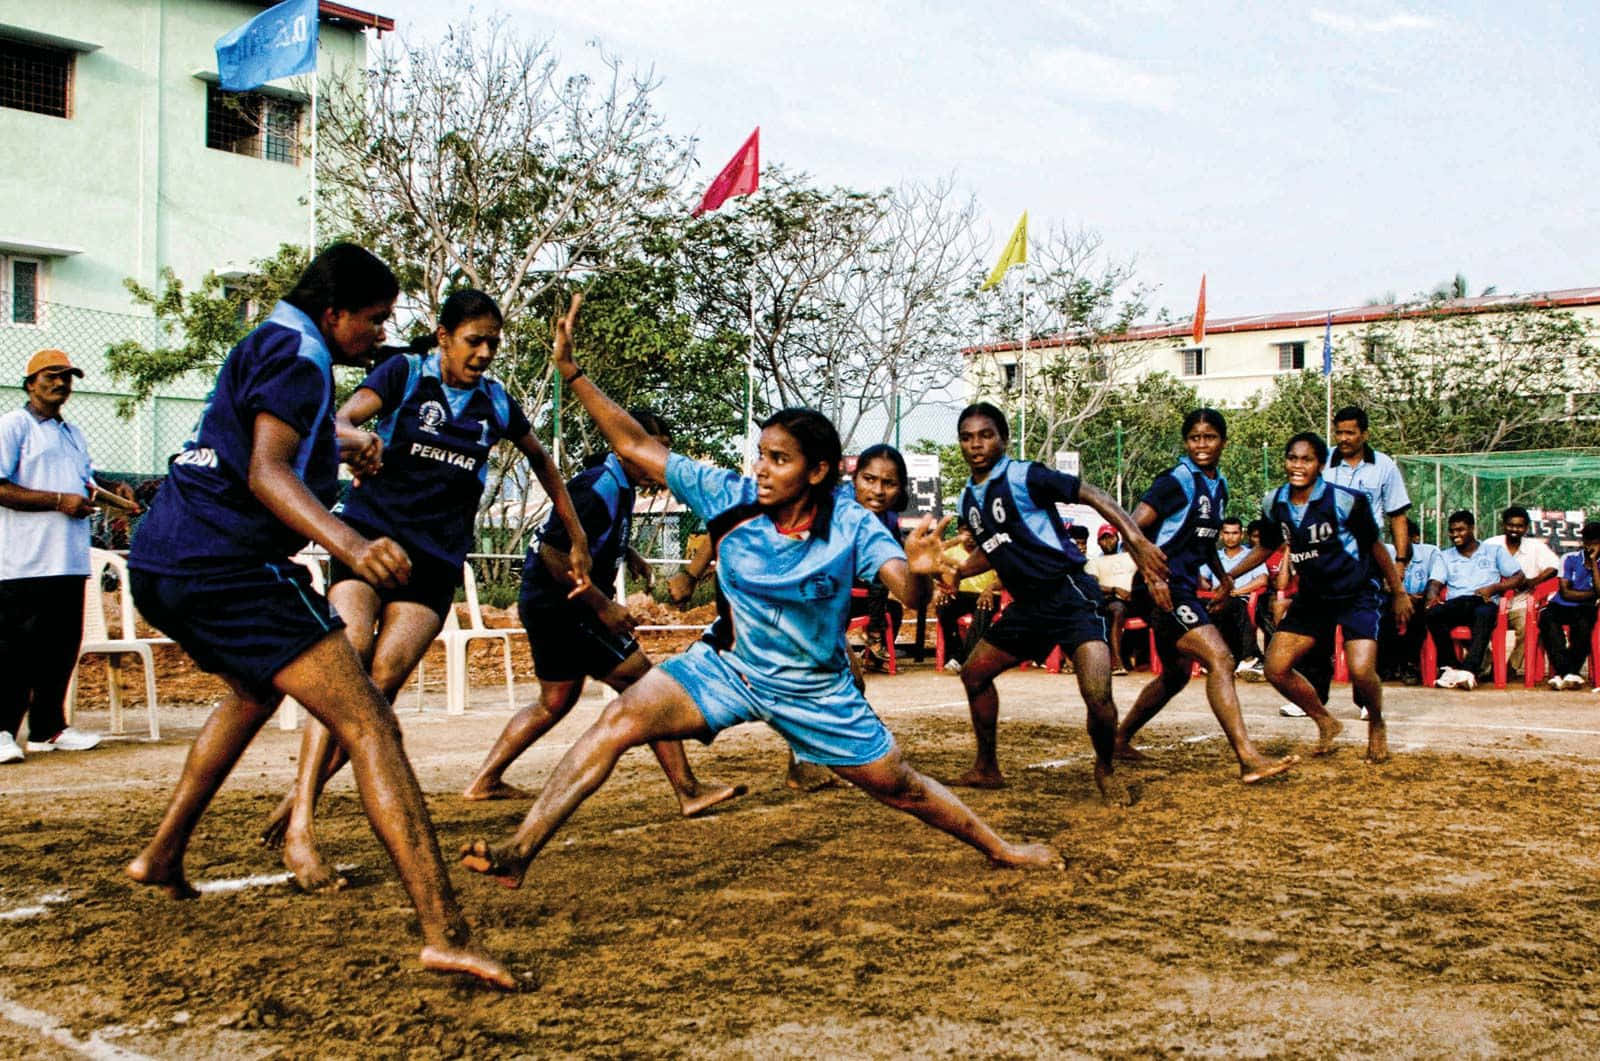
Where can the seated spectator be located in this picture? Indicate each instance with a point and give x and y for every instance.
(1567, 621)
(1538, 562)
(1476, 574)
(1232, 616)
(1399, 651)
(975, 596)
(1114, 570)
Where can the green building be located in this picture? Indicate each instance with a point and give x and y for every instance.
(123, 158)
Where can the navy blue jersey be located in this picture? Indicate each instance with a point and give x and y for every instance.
(1190, 504)
(1013, 515)
(204, 516)
(436, 445)
(1330, 537)
(604, 500)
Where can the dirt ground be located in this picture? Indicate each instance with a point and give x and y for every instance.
(1442, 905)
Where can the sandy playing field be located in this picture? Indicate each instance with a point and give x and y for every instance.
(1445, 904)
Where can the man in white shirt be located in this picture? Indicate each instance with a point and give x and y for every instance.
(46, 483)
(1538, 563)
(1114, 570)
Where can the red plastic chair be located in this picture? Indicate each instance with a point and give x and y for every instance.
(1535, 659)
(940, 653)
(1429, 663)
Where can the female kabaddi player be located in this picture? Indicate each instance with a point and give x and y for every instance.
(211, 568)
(591, 635)
(787, 553)
(1336, 549)
(1010, 507)
(1185, 505)
(421, 474)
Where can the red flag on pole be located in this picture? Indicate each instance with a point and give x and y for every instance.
(1200, 314)
(739, 177)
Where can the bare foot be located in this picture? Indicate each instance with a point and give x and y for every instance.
(1328, 728)
(461, 960)
(311, 874)
(1028, 856)
(979, 777)
(1127, 753)
(169, 879)
(809, 777)
(1265, 768)
(706, 798)
(479, 857)
(497, 790)
(1112, 791)
(1377, 742)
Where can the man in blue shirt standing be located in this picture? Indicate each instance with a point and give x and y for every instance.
(1475, 575)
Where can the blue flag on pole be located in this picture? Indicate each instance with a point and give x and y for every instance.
(1327, 347)
(279, 42)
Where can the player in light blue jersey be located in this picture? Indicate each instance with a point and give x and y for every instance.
(421, 475)
(786, 556)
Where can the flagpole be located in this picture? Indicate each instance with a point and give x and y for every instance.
(750, 386)
(1022, 375)
(311, 245)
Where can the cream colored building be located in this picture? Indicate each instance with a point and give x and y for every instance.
(1240, 356)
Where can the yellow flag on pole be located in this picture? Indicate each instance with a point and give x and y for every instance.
(1016, 252)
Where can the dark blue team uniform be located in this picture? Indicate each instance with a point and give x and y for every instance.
(1013, 515)
(436, 445)
(1330, 544)
(1190, 504)
(567, 638)
(210, 565)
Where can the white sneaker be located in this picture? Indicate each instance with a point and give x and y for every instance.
(1449, 678)
(1289, 710)
(1557, 682)
(10, 751)
(1469, 681)
(953, 666)
(1251, 670)
(1364, 716)
(1573, 682)
(68, 740)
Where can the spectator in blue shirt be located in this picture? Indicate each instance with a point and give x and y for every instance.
(1399, 650)
(1475, 575)
(1566, 623)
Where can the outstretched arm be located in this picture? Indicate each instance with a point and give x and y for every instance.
(622, 431)
(908, 579)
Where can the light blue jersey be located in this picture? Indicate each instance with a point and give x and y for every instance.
(1425, 567)
(1487, 565)
(783, 601)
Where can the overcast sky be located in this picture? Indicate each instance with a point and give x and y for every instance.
(1303, 156)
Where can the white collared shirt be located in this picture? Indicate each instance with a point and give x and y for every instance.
(43, 455)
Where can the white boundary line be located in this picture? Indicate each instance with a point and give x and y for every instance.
(48, 1027)
(23, 913)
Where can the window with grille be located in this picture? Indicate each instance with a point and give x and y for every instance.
(35, 77)
(1011, 377)
(19, 290)
(1291, 356)
(1194, 360)
(250, 123)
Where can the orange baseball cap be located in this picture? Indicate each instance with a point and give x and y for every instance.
(51, 359)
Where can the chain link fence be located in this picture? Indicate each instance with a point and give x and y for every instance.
(128, 447)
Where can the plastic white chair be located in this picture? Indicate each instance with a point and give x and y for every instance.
(455, 638)
(97, 640)
(288, 707)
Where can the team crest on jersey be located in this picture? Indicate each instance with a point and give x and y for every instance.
(975, 520)
(431, 417)
(1203, 506)
(820, 586)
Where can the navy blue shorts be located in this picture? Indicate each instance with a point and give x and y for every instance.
(569, 641)
(1189, 612)
(1313, 616)
(1032, 629)
(433, 583)
(247, 623)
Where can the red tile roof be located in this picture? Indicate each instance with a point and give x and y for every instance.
(1575, 296)
(346, 13)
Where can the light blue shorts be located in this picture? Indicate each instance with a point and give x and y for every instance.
(835, 726)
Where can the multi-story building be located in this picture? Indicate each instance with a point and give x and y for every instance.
(1240, 356)
(122, 158)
